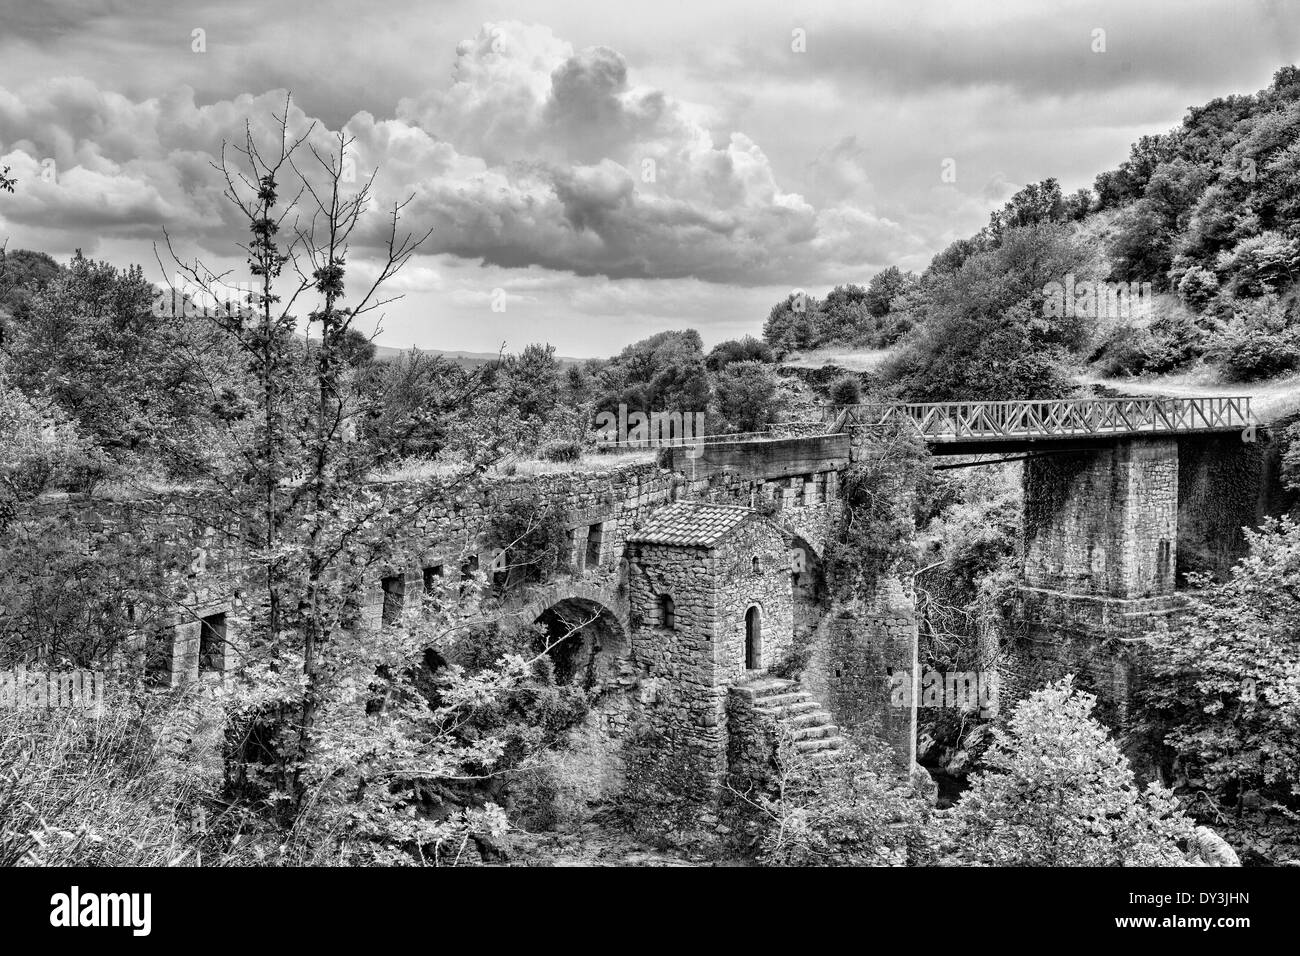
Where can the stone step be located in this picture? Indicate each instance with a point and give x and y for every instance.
(815, 731)
(790, 710)
(820, 743)
(771, 687)
(812, 718)
(780, 700)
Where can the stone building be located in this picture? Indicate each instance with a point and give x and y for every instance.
(711, 604)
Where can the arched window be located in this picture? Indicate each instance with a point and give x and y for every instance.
(754, 565)
(753, 639)
(667, 612)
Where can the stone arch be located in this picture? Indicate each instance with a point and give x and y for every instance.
(809, 592)
(588, 632)
(614, 601)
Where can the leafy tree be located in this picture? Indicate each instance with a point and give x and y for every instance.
(745, 396)
(532, 381)
(748, 349)
(1258, 342)
(1224, 692)
(1058, 792)
(793, 324)
(1033, 205)
(134, 382)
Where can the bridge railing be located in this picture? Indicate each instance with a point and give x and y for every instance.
(1061, 418)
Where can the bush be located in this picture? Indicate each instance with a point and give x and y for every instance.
(562, 451)
(846, 390)
(1058, 792)
(1223, 694)
(852, 812)
(1166, 344)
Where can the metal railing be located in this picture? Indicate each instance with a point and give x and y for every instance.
(1063, 418)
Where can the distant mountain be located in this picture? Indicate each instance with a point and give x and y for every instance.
(466, 359)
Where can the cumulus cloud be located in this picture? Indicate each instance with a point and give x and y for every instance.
(535, 154)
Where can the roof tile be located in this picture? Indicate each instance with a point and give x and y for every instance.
(691, 523)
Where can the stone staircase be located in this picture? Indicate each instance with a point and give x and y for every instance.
(815, 735)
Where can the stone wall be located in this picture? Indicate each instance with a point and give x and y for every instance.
(1103, 522)
(683, 700)
(862, 656)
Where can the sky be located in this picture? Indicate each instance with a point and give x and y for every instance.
(595, 172)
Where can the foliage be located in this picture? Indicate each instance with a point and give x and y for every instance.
(983, 332)
(1224, 692)
(846, 390)
(1058, 792)
(533, 534)
(881, 498)
(748, 349)
(1162, 345)
(851, 811)
(745, 396)
(133, 381)
(1259, 341)
(968, 557)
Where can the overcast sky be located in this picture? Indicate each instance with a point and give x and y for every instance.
(606, 169)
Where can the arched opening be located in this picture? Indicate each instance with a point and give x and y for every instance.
(584, 640)
(808, 588)
(753, 639)
(754, 566)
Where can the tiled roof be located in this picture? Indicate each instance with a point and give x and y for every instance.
(691, 523)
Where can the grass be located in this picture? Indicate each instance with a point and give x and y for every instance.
(419, 469)
(1270, 399)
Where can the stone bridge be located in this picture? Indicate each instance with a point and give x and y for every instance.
(698, 573)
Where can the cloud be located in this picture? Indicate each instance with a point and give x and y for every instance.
(535, 154)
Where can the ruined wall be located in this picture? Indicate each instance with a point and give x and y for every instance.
(1103, 522)
(862, 656)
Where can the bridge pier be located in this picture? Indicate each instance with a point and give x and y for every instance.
(1100, 553)
(1103, 522)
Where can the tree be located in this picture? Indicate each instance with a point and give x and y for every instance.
(135, 382)
(748, 349)
(792, 324)
(885, 285)
(745, 396)
(1033, 205)
(1224, 692)
(1058, 792)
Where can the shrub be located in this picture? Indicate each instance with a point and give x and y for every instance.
(846, 390)
(851, 812)
(1223, 690)
(1058, 792)
(562, 451)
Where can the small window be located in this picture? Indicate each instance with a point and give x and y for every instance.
(667, 612)
(212, 644)
(432, 577)
(594, 535)
(394, 596)
(755, 566)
